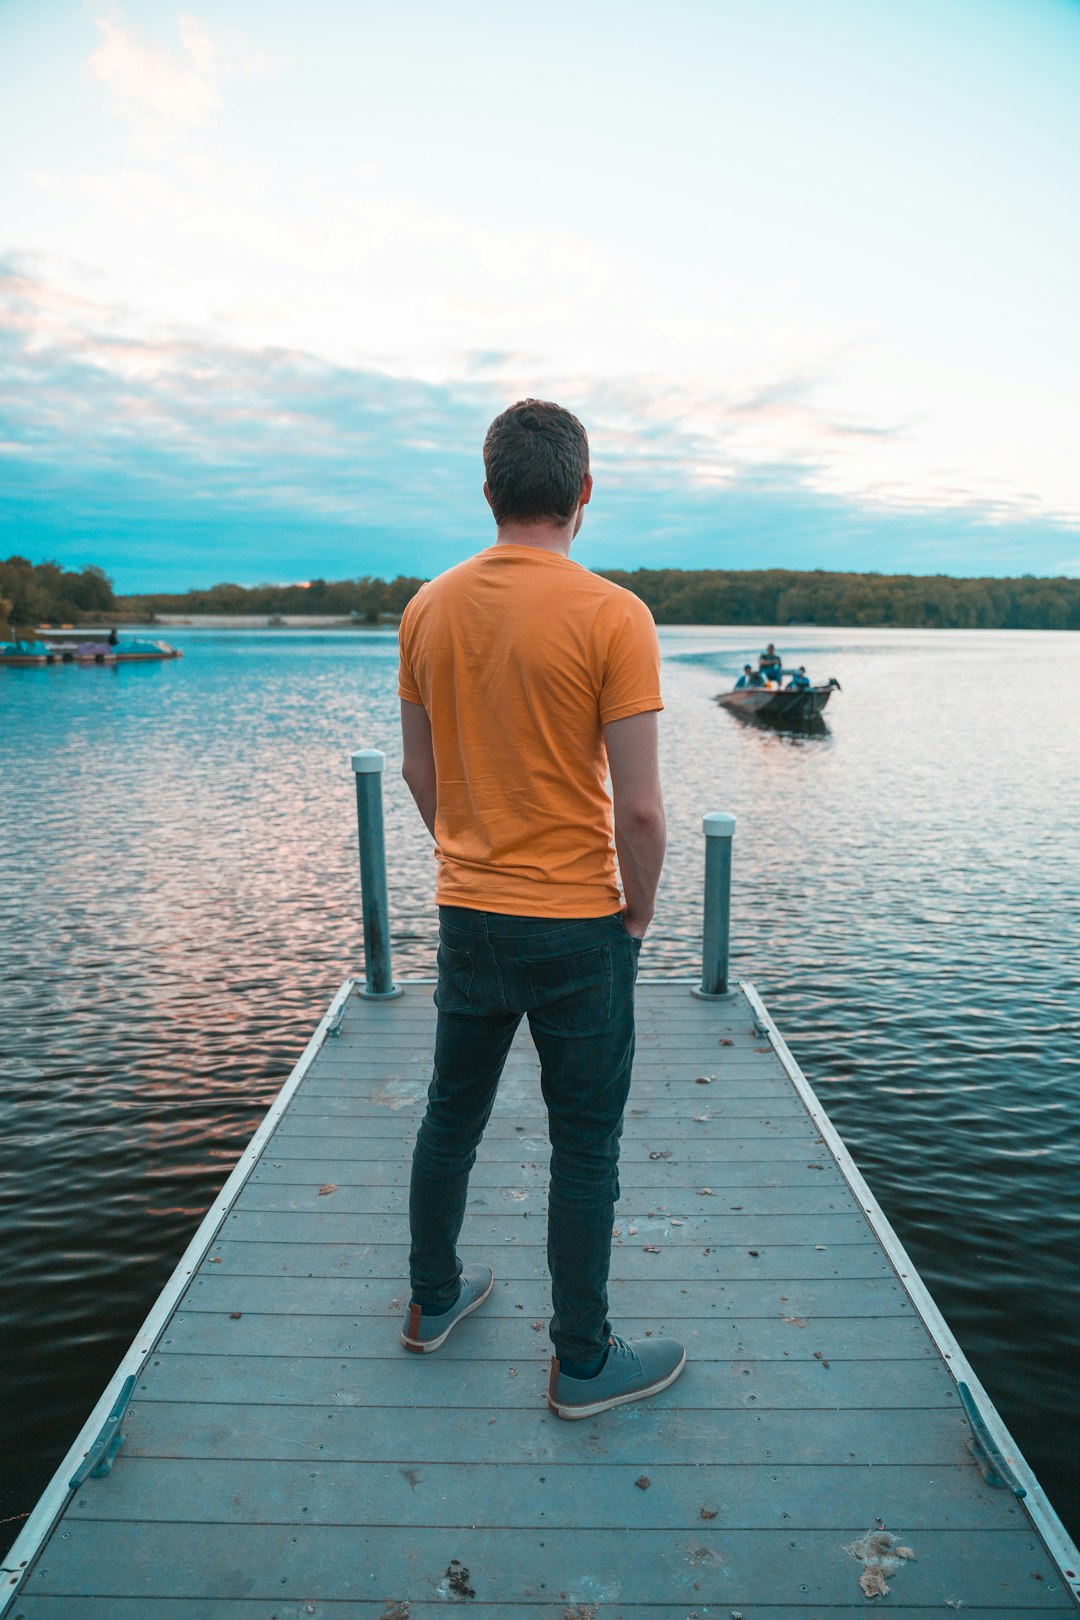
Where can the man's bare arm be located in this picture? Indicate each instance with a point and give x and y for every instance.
(418, 762)
(640, 828)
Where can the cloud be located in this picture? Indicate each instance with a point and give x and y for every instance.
(174, 459)
(109, 431)
(165, 94)
(155, 89)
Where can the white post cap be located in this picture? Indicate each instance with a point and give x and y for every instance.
(368, 759)
(718, 825)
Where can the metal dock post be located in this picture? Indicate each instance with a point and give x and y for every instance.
(719, 829)
(367, 764)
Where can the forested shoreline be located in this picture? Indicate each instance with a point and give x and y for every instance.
(914, 601)
(44, 593)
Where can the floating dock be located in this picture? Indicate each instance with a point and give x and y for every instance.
(284, 1457)
(82, 646)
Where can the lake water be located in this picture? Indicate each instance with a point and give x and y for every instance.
(179, 900)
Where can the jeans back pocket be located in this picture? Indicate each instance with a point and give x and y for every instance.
(456, 974)
(571, 994)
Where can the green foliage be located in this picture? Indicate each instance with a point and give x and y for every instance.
(365, 597)
(45, 593)
(783, 596)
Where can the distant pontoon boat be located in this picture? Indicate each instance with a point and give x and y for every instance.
(81, 645)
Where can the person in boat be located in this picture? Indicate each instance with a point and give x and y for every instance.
(770, 664)
(800, 681)
(749, 677)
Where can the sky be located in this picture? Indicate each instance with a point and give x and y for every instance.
(806, 269)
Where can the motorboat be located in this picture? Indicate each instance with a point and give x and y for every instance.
(774, 702)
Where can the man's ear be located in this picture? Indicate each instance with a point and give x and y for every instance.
(487, 494)
(586, 490)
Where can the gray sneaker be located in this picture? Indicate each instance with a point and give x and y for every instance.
(632, 1371)
(421, 1333)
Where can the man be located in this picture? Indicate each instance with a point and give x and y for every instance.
(800, 681)
(770, 664)
(524, 679)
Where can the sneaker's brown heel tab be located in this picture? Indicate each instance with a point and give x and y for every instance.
(553, 1379)
(413, 1329)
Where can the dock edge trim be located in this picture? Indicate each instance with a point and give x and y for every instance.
(23, 1552)
(1058, 1542)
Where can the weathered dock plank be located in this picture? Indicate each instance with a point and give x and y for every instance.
(669, 1106)
(595, 1494)
(486, 1173)
(816, 1198)
(43, 1608)
(378, 1436)
(687, 1152)
(707, 1338)
(274, 1609)
(659, 1298)
(284, 1457)
(326, 1228)
(699, 1563)
(476, 1386)
(525, 1263)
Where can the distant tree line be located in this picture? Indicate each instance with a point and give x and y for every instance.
(35, 593)
(917, 601)
(44, 593)
(365, 597)
(713, 596)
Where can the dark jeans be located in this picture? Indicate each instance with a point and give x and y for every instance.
(574, 981)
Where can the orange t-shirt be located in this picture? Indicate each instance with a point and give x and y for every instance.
(520, 657)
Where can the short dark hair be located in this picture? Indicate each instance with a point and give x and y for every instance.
(536, 457)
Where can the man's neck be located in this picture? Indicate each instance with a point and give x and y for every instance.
(537, 536)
